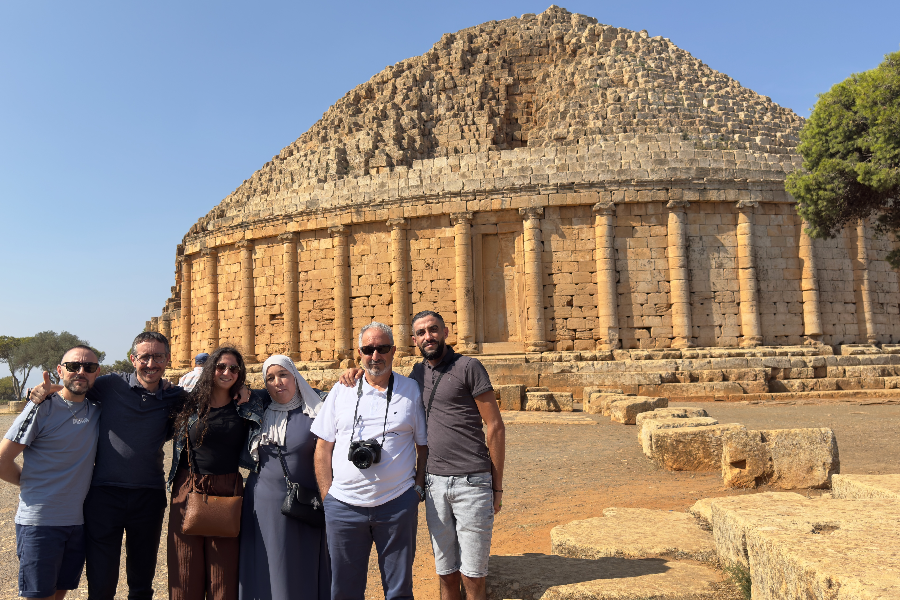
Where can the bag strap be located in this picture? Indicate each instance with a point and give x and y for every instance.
(431, 399)
(284, 469)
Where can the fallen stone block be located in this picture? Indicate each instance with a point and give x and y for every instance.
(511, 396)
(598, 402)
(586, 392)
(690, 448)
(669, 413)
(549, 577)
(549, 401)
(634, 533)
(799, 548)
(546, 418)
(16, 406)
(702, 508)
(649, 428)
(864, 487)
(782, 458)
(625, 411)
(537, 389)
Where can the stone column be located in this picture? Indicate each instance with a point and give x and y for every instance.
(343, 336)
(212, 298)
(165, 327)
(185, 332)
(248, 302)
(679, 275)
(809, 286)
(154, 323)
(607, 297)
(535, 336)
(866, 320)
(400, 286)
(291, 305)
(465, 284)
(750, 328)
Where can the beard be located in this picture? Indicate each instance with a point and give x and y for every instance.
(376, 369)
(435, 353)
(79, 387)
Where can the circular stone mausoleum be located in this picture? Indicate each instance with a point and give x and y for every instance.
(545, 183)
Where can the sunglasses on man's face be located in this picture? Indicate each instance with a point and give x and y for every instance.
(370, 350)
(74, 367)
(222, 367)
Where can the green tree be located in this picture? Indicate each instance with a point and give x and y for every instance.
(18, 355)
(123, 365)
(851, 155)
(7, 390)
(47, 349)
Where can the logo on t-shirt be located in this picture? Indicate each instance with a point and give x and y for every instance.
(81, 421)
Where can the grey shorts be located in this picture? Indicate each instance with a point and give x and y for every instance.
(460, 515)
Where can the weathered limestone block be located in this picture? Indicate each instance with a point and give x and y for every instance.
(17, 406)
(799, 548)
(649, 428)
(549, 401)
(511, 396)
(783, 458)
(626, 410)
(549, 577)
(598, 402)
(669, 413)
(537, 389)
(864, 487)
(690, 448)
(634, 533)
(586, 392)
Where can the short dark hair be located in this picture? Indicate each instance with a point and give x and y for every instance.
(150, 336)
(428, 313)
(80, 347)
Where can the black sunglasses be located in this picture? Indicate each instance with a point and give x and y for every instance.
(370, 350)
(222, 367)
(74, 367)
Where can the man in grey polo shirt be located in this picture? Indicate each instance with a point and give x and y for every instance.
(465, 461)
(59, 441)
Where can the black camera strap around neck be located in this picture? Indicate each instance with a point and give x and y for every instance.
(434, 387)
(359, 394)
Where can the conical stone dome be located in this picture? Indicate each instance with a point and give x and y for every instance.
(491, 109)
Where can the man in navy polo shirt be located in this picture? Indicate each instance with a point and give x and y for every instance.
(59, 441)
(128, 490)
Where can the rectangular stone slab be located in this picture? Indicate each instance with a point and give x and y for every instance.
(690, 448)
(549, 401)
(669, 413)
(625, 411)
(511, 396)
(549, 577)
(782, 458)
(812, 548)
(648, 428)
(863, 487)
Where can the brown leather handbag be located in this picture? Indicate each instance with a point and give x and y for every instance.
(208, 515)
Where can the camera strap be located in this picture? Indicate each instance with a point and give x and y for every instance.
(359, 394)
(431, 399)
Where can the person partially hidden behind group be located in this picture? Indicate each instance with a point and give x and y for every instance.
(210, 433)
(282, 557)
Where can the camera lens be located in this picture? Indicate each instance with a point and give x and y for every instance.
(362, 458)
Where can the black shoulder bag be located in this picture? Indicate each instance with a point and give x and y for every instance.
(300, 503)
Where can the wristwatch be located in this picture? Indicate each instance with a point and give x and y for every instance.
(420, 492)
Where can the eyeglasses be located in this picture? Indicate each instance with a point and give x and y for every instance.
(370, 350)
(74, 367)
(222, 367)
(145, 359)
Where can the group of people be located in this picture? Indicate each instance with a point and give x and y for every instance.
(368, 453)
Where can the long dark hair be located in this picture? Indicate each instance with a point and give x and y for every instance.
(198, 398)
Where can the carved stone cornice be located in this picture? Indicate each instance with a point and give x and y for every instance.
(287, 237)
(604, 207)
(207, 252)
(244, 244)
(677, 205)
(743, 205)
(339, 231)
(461, 218)
(399, 223)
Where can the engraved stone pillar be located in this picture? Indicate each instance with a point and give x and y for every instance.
(465, 285)
(607, 298)
(248, 302)
(291, 305)
(212, 299)
(343, 337)
(866, 320)
(750, 328)
(165, 326)
(679, 275)
(400, 286)
(185, 333)
(809, 286)
(536, 340)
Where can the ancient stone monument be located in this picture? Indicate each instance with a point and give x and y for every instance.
(547, 183)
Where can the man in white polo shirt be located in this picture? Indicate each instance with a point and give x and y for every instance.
(370, 466)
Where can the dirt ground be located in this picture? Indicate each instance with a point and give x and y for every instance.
(560, 473)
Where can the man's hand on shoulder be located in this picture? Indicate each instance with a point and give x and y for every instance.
(243, 395)
(42, 390)
(349, 377)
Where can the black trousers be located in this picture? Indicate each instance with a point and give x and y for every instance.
(108, 513)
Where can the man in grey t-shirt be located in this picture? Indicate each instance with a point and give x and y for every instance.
(59, 440)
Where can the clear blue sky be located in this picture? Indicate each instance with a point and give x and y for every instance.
(122, 123)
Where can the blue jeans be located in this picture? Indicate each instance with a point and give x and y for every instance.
(460, 515)
(351, 531)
